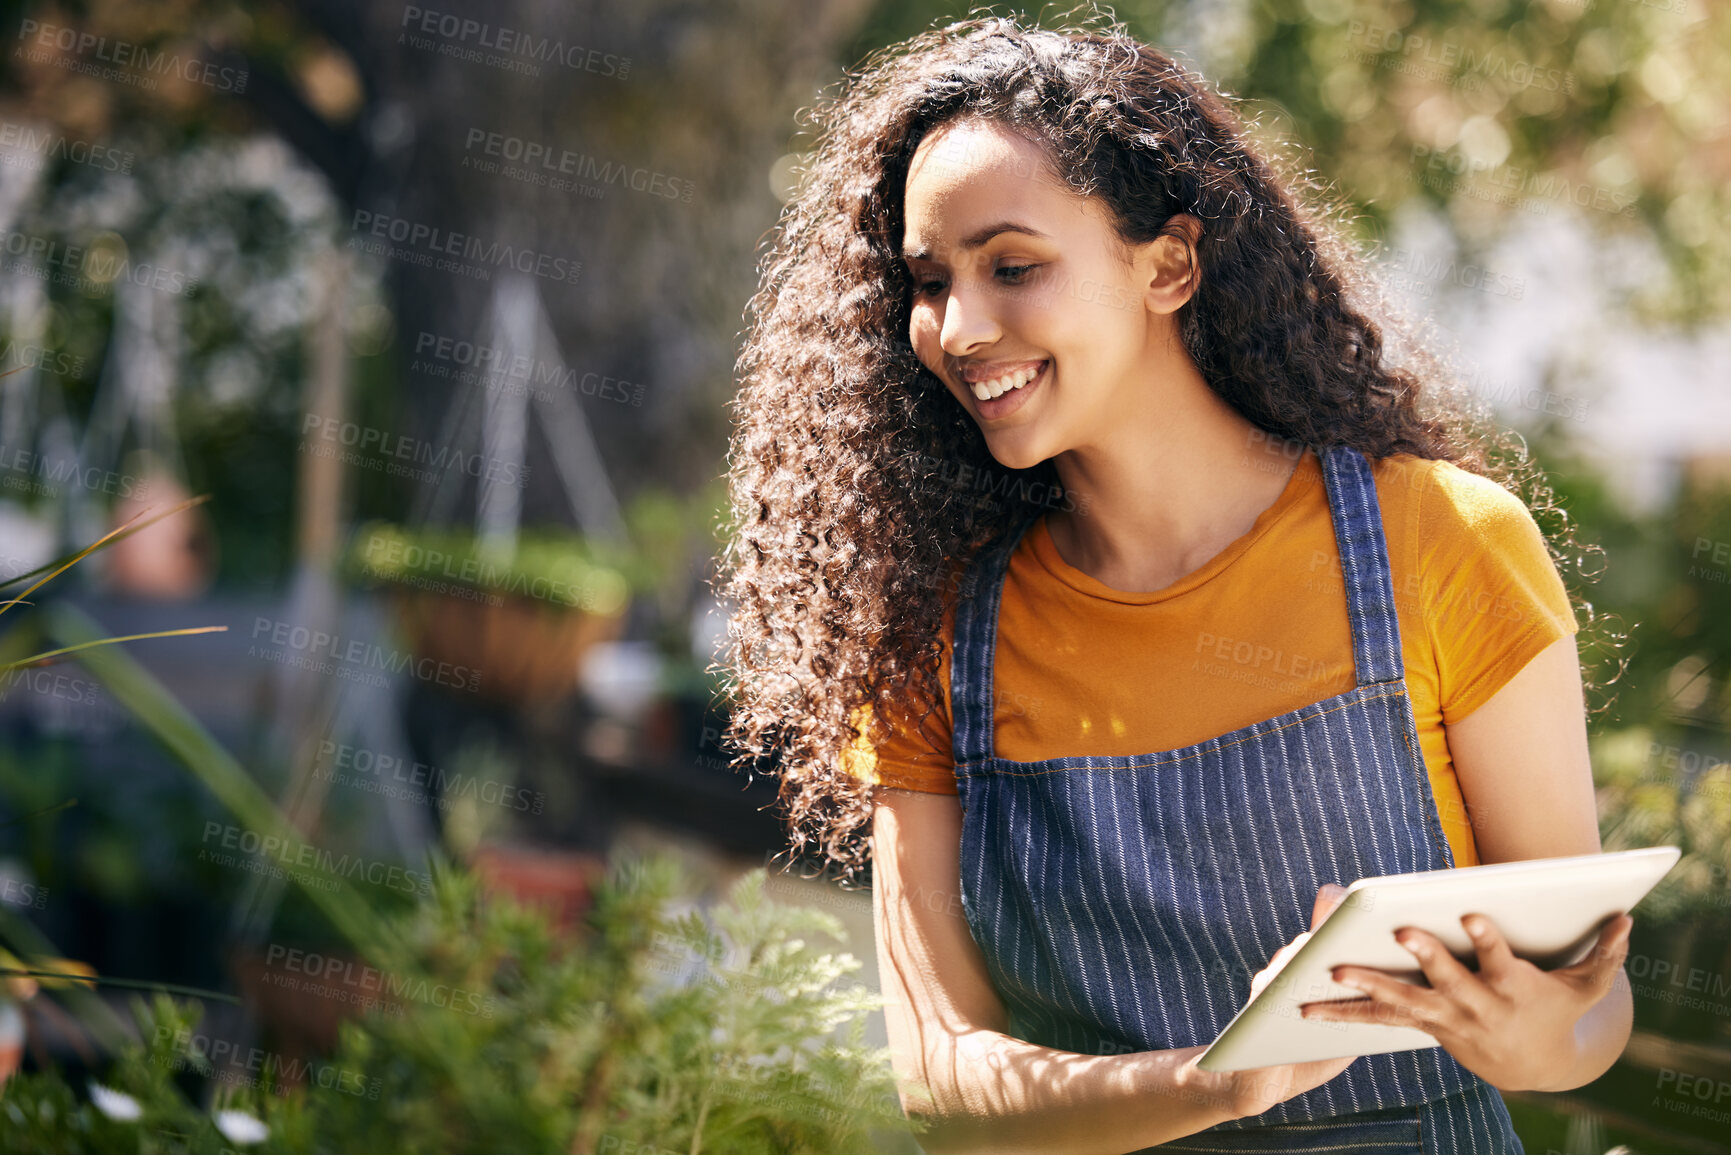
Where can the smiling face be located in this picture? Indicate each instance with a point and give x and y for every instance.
(1023, 304)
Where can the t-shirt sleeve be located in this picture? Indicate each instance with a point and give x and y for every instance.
(904, 759)
(1496, 599)
(908, 754)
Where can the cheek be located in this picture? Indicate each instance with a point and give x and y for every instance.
(1048, 318)
(922, 319)
(924, 334)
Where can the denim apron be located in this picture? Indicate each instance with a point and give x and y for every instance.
(1123, 903)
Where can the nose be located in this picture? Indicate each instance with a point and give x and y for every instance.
(968, 322)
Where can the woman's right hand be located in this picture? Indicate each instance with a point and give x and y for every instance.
(1256, 1090)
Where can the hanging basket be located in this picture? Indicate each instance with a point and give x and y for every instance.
(514, 629)
(520, 650)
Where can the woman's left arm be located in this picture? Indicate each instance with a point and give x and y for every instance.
(1521, 761)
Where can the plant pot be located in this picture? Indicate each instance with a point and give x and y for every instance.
(521, 651)
(302, 1005)
(558, 881)
(11, 1039)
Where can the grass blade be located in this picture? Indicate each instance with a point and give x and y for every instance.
(195, 748)
(42, 658)
(60, 565)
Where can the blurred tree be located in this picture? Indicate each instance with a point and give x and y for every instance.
(1485, 108)
(665, 117)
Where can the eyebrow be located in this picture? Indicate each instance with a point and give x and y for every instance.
(980, 236)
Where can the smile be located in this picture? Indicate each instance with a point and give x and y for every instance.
(997, 397)
(995, 387)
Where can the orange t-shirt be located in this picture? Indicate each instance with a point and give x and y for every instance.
(1258, 631)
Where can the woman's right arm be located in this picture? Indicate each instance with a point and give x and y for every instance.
(979, 1088)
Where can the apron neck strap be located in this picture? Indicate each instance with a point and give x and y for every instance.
(975, 640)
(1357, 516)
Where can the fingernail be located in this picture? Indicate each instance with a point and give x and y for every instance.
(1475, 926)
(1351, 982)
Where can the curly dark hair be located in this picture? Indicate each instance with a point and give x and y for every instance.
(841, 550)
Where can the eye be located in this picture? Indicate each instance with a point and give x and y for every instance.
(1010, 274)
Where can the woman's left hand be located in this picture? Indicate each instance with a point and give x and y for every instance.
(1510, 1023)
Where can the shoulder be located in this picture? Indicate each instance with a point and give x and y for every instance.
(1445, 503)
(1468, 542)
(1457, 537)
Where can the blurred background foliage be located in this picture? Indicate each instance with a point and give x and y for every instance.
(1615, 106)
(1487, 112)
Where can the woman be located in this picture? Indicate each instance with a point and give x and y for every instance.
(1090, 546)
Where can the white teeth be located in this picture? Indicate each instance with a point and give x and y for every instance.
(998, 386)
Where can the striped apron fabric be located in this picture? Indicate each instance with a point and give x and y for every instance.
(1124, 903)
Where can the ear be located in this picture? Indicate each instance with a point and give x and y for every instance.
(1169, 264)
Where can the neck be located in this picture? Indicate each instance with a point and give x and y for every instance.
(1170, 484)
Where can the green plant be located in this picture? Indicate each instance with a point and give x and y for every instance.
(658, 1029)
(654, 1031)
(38, 961)
(60, 565)
(1640, 804)
(557, 568)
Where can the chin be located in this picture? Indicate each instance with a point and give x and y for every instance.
(1016, 452)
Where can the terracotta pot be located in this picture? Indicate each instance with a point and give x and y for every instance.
(303, 1005)
(11, 1039)
(558, 881)
(172, 561)
(521, 651)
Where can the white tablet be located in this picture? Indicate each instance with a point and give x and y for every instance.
(1550, 910)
